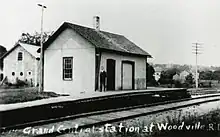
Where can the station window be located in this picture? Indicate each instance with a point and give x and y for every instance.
(13, 73)
(21, 73)
(67, 68)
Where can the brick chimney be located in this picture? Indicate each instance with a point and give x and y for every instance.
(96, 23)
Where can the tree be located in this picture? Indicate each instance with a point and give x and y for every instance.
(166, 77)
(177, 84)
(206, 75)
(3, 50)
(35, 38)
(150, 75)
(189, 80)
(216, 75)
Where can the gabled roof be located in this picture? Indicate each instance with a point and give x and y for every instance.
(101, 40)
(32, 49)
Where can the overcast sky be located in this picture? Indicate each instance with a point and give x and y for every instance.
(164, 28)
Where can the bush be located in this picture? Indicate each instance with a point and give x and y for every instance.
(20, 83)
(178, 84)
(8, 84)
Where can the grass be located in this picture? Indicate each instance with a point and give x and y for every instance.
(213, 117)
(204, 91)
(23, 95)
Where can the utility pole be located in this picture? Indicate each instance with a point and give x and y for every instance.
(41, 51)
(196, 51)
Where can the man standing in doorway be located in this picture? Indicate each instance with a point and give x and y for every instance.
(103, 76)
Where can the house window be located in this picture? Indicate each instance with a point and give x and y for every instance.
(67, 68)
(29, 72)
(20, 56)
(21, 73)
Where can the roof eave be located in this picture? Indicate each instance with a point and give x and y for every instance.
(149, 56)
(8, 52)
(116, 51)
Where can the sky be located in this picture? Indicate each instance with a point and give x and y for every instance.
(164, 28)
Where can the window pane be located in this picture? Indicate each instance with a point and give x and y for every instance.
(68, 61)
(67, 71)
(66, 76)
(68, 66)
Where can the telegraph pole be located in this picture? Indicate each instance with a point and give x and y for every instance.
(196, 50)
(41, 50)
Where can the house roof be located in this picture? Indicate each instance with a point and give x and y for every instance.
(158, 69)
(100, 39)
(32, 49)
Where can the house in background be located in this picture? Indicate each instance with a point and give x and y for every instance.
(157, 73)
(176, 77)
(181, 76)
(74, 54)
(21, 62)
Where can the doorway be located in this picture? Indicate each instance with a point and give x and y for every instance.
(127, 75)
(110, 74)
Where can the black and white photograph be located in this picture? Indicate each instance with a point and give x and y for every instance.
(109, 68)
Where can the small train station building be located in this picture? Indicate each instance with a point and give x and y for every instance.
(74, 56)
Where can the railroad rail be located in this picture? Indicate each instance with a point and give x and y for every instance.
(90, 119)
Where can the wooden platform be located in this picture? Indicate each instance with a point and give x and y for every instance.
(82, 96)
(55, 108)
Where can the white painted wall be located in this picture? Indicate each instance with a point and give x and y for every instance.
(11, 64)
(140, 68)
(127, 76)
(69, 44)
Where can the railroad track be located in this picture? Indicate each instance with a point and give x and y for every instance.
(119, 115)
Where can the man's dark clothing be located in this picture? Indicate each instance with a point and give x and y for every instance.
(103, 75)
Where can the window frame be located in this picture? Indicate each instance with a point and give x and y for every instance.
(22, 57)
(64, 69)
